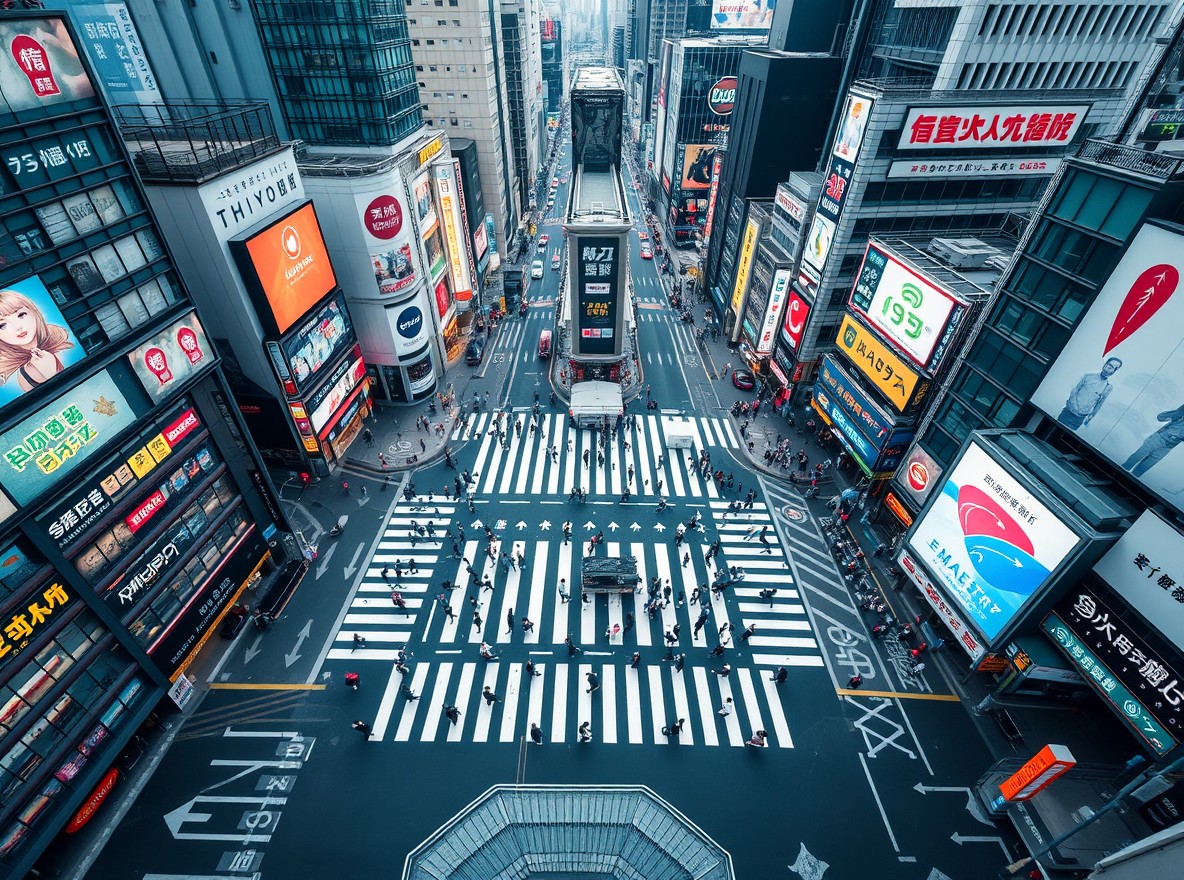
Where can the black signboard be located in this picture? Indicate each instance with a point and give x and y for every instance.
(834, 188)
(1145, 671)
(596, 281)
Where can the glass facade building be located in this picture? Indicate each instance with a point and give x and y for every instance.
(129, 516)
(343, 70)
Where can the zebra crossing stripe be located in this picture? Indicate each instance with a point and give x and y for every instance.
(510, 713)
(608, 704)
(439, 693)
(656, 706)
(559, 710)
(706, 710)
(633, 704)
(463, 693)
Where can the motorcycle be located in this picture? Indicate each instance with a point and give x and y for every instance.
(523, 309)
(339, 526)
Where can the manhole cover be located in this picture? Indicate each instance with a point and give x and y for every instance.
(793, 514)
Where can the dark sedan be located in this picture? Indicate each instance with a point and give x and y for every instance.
(743, 379)
(475, 353)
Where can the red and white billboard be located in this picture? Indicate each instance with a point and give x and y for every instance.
(777, 294)
(1117, 382)
(797, 311)
(971, 128)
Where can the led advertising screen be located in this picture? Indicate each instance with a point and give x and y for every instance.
(39, 65)
(989, 542)
(741, 15)
(169, 358)
(51, 443)
(973, 128)
(36, 343)
(387, 233)
(448, 190)
(869, 433)
(597, 267)
(1118, 383)
(797, 311)
(919, 475)
(697, 162)
(318, 340)
(905, 305)
(903, 386)
(290, 265)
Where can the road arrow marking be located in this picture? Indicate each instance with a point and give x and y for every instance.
(962, 838)
(184, 813)
(325, 561)
(973, 806)
(635, 527)
(589, 525)
(353, 563)
(294, 655)
(808, 866)
(253, 651)
(660, 527)
(613, 526)
(545, 525)
(520, 525)
(477, 524)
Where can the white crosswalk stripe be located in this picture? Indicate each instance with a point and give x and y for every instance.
(631, 706)
(522, 461)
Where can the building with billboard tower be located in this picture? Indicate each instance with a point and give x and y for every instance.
(596, 302)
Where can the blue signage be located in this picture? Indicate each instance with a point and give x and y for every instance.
(410, 321)
(848, 434)
(868, 432)
(874, 423)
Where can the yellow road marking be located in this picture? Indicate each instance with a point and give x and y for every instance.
(231, 686)
(939, 698)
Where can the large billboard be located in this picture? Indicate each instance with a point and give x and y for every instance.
(1146, 568)
(39, 66)
(868, 432)
(167, 360)
(744, 266)
(797, 311)
(388, 236)
(953, 621)
(597, 267)
(919, 475)
(1137, 680)
(697, 163)
(448, 190)
(844, 156)
(48, 445)
(237, 200)
(989, 541)
(290, 265)
(1118, 383)
(116, 53)
(906, 306)
(318, 340)
(973, 128)
(36, 343)
(741, 15)
(902, 385)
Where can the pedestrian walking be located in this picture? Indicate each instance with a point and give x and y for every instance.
(449, 613)
(696, 595)
(629, 621)
(564, 595)
(636, 659)
(726, 709)
(405, 690)
(585, 732)
(527, 625)
(748, 631)
(411, 566)
(510, 621)
(780, 676)
(593, 682)
(686, 558)
(532, 670)
(363, 728)
(679, 662)
(572, 648)
(477, 622)
(452, 714)
(490, 696)
(536, 734)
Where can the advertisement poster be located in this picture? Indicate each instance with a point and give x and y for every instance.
(292, 265)
(972, 128)
(741, 15)
(1146, 568)
(116, 53)
(797, 310)
(388, 237)
(697, 161)
(850, 136)
(777, 293)
(36, 343)
(989, 542)
(596, 280)
(448, 191)
(315, 343)
(51, 443)
(411, 328)
(168, 359)
(1118, 383)
(435, 251)
(905, 305)
(744, 266)
(425, 210)
(903, 386)
(39, 65)
(919, 475)
(441, 298)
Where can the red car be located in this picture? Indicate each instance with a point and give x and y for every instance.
(743, 379)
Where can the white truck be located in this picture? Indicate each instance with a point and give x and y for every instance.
(593, 402)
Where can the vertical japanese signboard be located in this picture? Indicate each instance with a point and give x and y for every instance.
(597, 268)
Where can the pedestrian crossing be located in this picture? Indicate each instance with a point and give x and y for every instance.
(487, 604)
(548, 455)
(631, 705)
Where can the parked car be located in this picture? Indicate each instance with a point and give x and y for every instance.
(555, 261)
(743, 379)
(545, 344)
(647, 252)
(536, 269)
(643, 235)
(475, 353)
(543, 240)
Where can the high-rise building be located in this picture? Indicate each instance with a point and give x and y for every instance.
(356, 93)
(554, 79)
(522, 46)
(463, 78)
(134, 509)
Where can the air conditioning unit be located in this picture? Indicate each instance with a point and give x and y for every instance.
(998, 262)
(962, 253)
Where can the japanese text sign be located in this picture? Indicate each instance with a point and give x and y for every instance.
(1146, 568)
(964, 128)
(967, 638)
(22, 623)
(900, 384)
(597, 265)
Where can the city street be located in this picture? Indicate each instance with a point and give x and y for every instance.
(268, 775)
